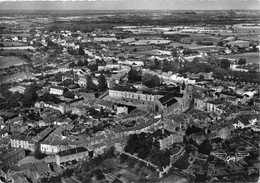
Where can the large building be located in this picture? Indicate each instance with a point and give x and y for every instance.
(71, 154)
(13, 156)
(57, 90)
(159, 102)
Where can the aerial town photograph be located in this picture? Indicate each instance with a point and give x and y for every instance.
(129, 91)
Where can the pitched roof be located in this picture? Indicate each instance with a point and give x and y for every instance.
(168, 99)
(57, 87)
(72, 151)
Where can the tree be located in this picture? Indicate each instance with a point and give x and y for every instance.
(90, 85)
(85, 63)
(149, 64)
(69, 94)
(225, 64)
(165, 66)
(174, 53)
(80, 63)
(30, 95)
(201, 78)
(93, 66)
(133, 75)
(151, 80)
(47, 97)
(58, 77)
(72, 65)
(102, 83)
(205, 147)
(81, 51)
(241, 61)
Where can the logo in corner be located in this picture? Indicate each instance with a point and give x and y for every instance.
(227, 158)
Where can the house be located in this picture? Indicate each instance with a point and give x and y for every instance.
(82, 81)
(57, 90)
(32, 170)
(242, 123)
(55, 141)
(167, 138)
(99, 148)
(54, 145)
(225, 131)
(104, 104)
(19, 89)
(200, 102)
(22, 141)
(12, 157)
(5, 173)
(71, 154)
(212, 105)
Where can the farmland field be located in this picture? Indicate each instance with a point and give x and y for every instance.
(250, 57)
(12, 43)
(192, 45)
(17, 48)
(246, 29)
(8, 61)
(202, 37)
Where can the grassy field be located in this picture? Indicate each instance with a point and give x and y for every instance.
(203, 37)
(12, 43)
(192, 45)
(250, 37)
(17, 48)
(8, 61)
(246, 29)
(250, 57)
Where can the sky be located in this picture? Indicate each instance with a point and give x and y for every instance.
(128, 4)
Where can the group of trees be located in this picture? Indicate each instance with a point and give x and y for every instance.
(241, 61)
(80, 63)
(153, 64)
(91, 86)
(47, 97)
(170, 65)
(206, 43)
(190, 52)
(88, 169)
(134, 75)
(102, 83)
(30, 95)
(144, 145)
(151, 80)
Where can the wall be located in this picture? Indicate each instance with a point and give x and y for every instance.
(61, 159)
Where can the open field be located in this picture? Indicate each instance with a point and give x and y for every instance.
(12, 43)
(18, 48)
(252, 37)
(150, 42)
(250, 57)
(239, 43)
(202, 37)
(17, 34)
(246, 29)
(192, 45)
(8, 61)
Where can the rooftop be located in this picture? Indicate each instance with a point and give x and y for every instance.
(72, 151)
